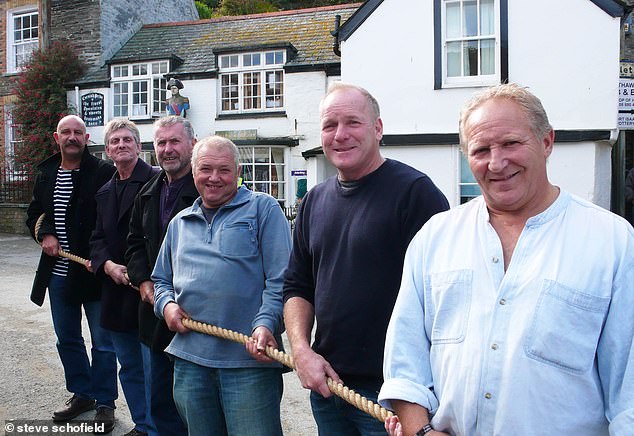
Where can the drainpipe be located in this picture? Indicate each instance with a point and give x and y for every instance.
(335, 45)
(78, 109)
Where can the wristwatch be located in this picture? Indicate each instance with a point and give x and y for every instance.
(423, 431)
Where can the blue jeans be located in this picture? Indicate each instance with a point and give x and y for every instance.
(228, 401)
(99, 379)
(334, 416)
(159, 379)
(128, 349)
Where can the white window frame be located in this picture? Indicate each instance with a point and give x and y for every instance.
(28, 45)
(238, 76)
(140, 79)
(480, 79)
(252, 170)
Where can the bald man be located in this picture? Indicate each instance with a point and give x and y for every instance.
(64, 191)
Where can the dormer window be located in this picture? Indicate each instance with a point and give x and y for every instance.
(139, 90)
(251, 82)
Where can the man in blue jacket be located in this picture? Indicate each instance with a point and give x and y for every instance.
(222, 262)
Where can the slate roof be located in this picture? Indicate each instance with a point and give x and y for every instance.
(194, 44)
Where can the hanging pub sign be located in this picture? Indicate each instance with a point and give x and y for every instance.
(92, 109)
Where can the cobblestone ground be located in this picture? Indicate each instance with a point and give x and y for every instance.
(30, 370)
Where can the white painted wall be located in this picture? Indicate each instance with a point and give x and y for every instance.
(439, 162)
(391, 55)
(566, 52)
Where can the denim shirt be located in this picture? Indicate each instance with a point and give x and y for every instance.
(543, 348)
(228, 273)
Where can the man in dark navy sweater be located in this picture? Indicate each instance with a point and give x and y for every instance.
(350, 239)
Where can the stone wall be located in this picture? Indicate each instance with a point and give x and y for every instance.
(12, 219)
(98, 28)
(120, 19)
(79, 22)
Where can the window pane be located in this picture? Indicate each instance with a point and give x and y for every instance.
(120, 97)
(277, 154)
(453, 59)
(229, 92)
(255, 59)
(279, 57)
(139, 70)
(453, 20)
(261, 187)
(277, 190)
(470, 18)
(487, 25)
(274, 89)
(159, 94)
(270, 58)
(246, 60)
(468, 186)
(487, 56)
(261, 173)
(261, 155)
(139, 98)
(252, 91)
(470, 58)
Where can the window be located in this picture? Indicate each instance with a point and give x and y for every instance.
(252, 81)
(13, 141)
(263, 170)
(139, 90)
(468, 186)
(22, 38)
(470, 40)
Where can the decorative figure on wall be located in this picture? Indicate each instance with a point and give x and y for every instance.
(176, 104)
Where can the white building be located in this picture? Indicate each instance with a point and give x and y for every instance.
(256, 79)
(423, 59)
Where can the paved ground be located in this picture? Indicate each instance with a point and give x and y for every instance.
(30, 370)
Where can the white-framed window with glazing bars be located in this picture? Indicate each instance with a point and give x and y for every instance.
(263, 170)
(139, 90)
(252, 82)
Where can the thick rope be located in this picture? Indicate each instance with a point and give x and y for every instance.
(349, 395)
(61, 252)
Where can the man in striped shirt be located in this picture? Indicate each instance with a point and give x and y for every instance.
(64, 192)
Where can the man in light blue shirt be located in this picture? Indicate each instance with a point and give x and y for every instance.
(516, 310)
(222, 262)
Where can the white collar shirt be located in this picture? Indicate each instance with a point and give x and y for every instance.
(544, 348)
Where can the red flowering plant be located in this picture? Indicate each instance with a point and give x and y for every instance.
(41, 91)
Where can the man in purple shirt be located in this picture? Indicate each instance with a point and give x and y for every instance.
(159, 200)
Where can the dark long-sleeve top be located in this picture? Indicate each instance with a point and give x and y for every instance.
(144, 241)
(119, 303)
(347, 260)
(80, 222)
